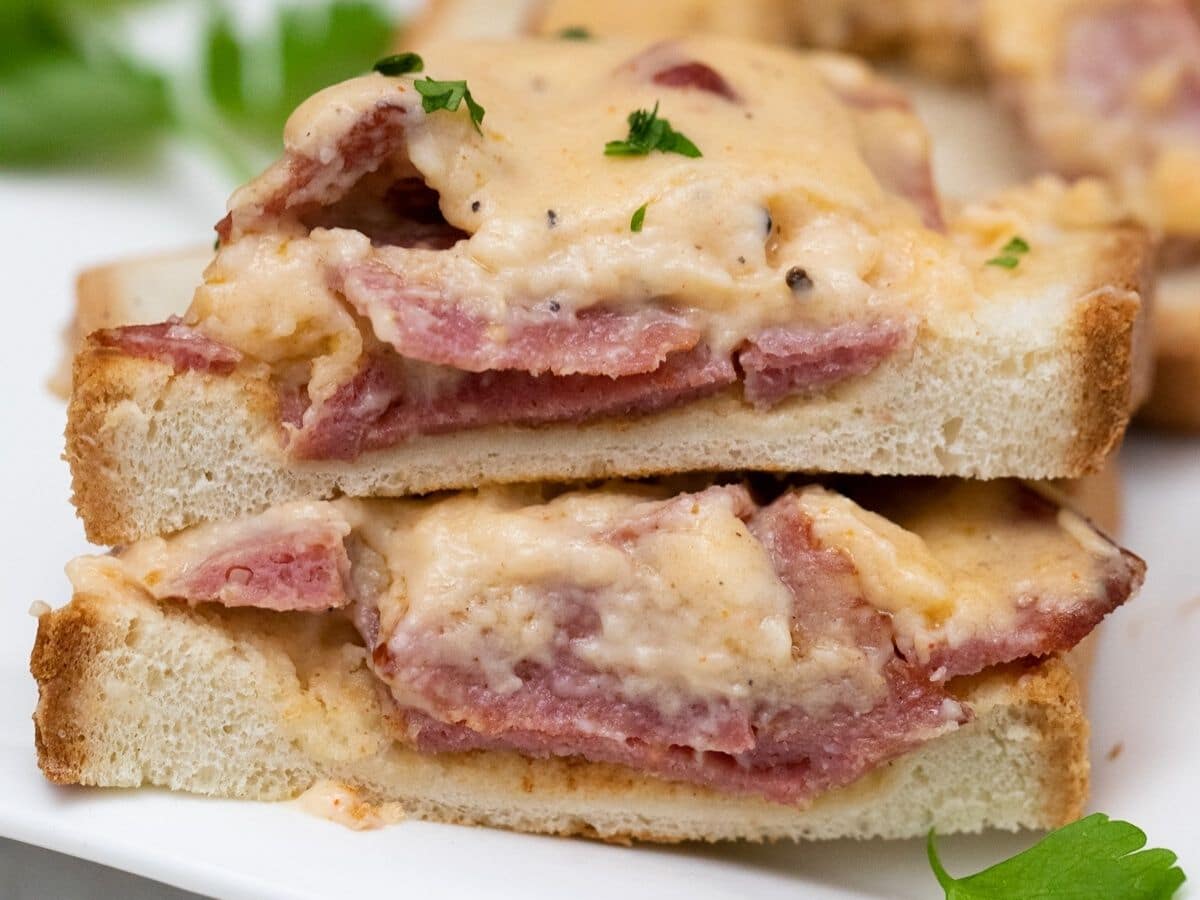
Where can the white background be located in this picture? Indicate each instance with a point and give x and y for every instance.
(1146, 694)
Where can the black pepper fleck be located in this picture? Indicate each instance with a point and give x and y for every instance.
(742, 260)
(770, 222)
(797, 279)
(475, 206)
(554, 306)
(551, 218)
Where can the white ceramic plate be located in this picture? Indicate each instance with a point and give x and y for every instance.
(1146, 695)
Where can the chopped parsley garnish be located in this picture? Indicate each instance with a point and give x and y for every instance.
(1010, 253)
(400, 64)
(648, 132)
(575, 33)
(639, 216)
(448, 95)
(1094, 857)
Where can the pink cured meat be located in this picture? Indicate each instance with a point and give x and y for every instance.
(787, 755)
(172, 342)
(696, 75)
(304, 181)
(780, 362)
(406, 214)
(794, 759)
(1043, 626)
(301, 570)
(423, 325)
(378, 409)
(1108, 49)
(784, 754)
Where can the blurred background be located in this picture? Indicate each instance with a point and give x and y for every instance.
(113, 84)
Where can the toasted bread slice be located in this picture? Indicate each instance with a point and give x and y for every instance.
(129, 292)
(263, 705)
(152, 451)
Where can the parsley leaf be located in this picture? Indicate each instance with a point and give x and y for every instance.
(575, 33)
(1010, 254)
(69, 92)
(1017, 245)
(448, 95)
(400, 64)
(647, 132)
(63, 108)
(639, 217)
(66, 93)
(1094, 857)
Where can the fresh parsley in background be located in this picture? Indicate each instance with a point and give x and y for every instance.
(66, 89)
(71, 93)
(1096, 857)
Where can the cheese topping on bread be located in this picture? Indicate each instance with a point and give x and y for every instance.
(784, 181)
(767, 227)
(688, 599)
(780, 648)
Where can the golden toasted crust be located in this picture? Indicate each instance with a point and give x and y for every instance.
(1113, 340)
(105, 382)
(65, 642)
(107, 665)
(1059, 716)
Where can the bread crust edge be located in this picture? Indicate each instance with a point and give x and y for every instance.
(70, 641)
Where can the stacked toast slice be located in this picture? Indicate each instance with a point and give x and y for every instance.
(662, 345)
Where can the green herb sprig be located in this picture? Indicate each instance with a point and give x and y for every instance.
(68, 91)
(436, 95)
(647, 132)
(1094, 857)
(1010, 254)
(400, 64)
(639, 218)
(575, 33)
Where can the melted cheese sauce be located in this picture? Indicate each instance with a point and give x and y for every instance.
(784, 181)
(983, 558)
(478, 572)
(342, 804)
(674, 597)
